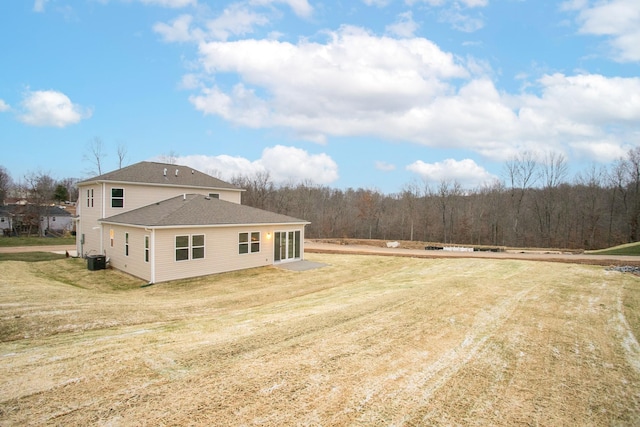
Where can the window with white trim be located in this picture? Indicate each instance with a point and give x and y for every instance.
(182, 248)
(249, 242)
(117, 197)
(126, 244)
(197, 246)
(190, 247)
(146, 248)
(90, 198)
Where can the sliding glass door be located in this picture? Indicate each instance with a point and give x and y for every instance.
(286, 245)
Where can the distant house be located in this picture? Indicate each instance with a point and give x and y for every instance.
(164, 222)
(34, 219)
(6, 223)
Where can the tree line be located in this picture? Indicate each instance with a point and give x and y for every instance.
(534, 204)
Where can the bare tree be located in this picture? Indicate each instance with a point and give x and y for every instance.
(408, 200)
(5, 184)
(520, 175)
(122, 154)
(171, 157)
(553, 170)
(258, 187)
(41, 188)
(633, 188)
(95, 155)
(590, 199)
(447, 190)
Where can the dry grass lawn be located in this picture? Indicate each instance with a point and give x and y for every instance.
(367, 340)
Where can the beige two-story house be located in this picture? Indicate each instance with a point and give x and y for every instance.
(164, 222)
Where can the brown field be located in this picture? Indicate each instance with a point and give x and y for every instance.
(366, 340)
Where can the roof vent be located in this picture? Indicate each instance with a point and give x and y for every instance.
(165, 171)
(176, 172)
(184, 196)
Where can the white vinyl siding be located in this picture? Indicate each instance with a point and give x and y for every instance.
(135, 263)
(221, 257)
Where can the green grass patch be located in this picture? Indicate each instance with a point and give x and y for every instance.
(31, 256)
(627, 249)
(36, 241)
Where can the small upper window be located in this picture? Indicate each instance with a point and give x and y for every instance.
(117, 197)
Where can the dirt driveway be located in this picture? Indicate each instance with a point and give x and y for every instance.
(49, 248)
(555, 256)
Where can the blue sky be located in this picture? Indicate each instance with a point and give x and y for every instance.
(372, 93)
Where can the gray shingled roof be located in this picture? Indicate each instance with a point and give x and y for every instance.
(199, 210)
(154, 173)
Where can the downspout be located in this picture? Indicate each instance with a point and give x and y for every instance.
(104, 214)
(104, 199)
(101, 239)
(152, 248)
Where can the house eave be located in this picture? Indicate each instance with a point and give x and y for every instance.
(184, 226)
(144, 184)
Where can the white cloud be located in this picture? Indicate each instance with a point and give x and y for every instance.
(385, 166)
(235, 20)
(605, 151)
(301, 8)
(38, 5)
(4, 106)
(291, 164)
(174, 4)
(51, 108)
(358, 84)
(461, 21)
(467, 172)
(617, 19)
(456, 12)
(340, 86)
(404, 26)
(455, 3)
(284, 165)
(178, 31)
(378, 3)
